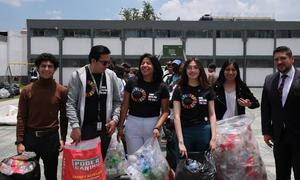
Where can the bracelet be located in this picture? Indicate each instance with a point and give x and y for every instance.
(156, 128)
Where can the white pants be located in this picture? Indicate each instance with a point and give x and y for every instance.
(137, 131)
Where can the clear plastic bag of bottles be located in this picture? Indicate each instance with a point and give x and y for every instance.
(237, 153)
(22, 166)
(148, 163)
(115, 160)
(198, 166)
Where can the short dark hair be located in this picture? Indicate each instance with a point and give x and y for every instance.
(46, 57)
(125, 65)
(283, 49)
(97, 51)
(212, 66)
(119, 70)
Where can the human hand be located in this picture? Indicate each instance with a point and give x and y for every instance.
(111, 126)
(268, 140)
(244, 102)
(156, 133)
(182, 149)
(20, 148)
(76, 135)
(61, 145)
(213, 144)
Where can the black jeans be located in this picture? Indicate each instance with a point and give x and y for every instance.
(46, 148)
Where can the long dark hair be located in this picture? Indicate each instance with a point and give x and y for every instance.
(157, 71)
(221, 79)
(202, 78)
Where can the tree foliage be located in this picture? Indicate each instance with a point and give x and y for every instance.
(147, 14)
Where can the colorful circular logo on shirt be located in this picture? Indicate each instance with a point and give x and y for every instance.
(138, 94)
(93, 88)
(188, 101)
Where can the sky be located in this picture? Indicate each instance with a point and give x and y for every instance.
(13, 13)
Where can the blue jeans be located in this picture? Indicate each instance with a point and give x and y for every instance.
(195, 138)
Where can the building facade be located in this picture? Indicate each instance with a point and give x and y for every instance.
(13, 56)
(250, 42)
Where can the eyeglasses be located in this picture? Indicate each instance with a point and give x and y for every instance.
(104, 63)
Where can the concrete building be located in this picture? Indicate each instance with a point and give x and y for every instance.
(13, 56)
(250, 41)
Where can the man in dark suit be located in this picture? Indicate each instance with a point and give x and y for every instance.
(280, 114)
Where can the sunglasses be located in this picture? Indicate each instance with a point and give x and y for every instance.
(104, 63)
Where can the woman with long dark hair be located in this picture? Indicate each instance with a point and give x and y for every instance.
(232, 94)
(193, 101)
(145, 97)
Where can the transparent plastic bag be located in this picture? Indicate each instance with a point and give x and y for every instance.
(115, 161)
(148, 163)
(22, 166)
(237, 153)
(199, 166)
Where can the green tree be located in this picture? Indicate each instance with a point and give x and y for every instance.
(147, 14)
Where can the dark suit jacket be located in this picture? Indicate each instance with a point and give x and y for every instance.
(242, 91)
(273, 115)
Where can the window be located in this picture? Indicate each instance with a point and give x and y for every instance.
(260, 33)
(168, 33)
(139, 33)
(199, 34)
(229, 34)
(107, 33)
(288, 33)
(161, 33)
(77, 32)
(74, 62)
(45, 32)
(175, 33)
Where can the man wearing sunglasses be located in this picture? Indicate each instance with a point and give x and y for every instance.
(93, 105)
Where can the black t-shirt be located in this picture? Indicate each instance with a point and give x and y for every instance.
(92, 100)
(194, 104)
(145, 98)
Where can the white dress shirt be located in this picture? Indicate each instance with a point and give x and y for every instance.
(287, 84)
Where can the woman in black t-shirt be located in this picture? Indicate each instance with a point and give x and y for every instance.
(193, 103)
(144, 97)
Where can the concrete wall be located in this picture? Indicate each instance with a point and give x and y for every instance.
(3, 58)
(230, 47)
(76, 46)
(114, 44)
(17, 53)
(199, 47)
(258, 46)
(138, 46)
(294, 44)
(44, 44)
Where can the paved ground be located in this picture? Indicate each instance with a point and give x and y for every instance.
(7, 138)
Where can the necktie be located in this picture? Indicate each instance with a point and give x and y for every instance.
(280, 89)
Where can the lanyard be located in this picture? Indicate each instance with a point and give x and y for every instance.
(98, 93)
(100, 84)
